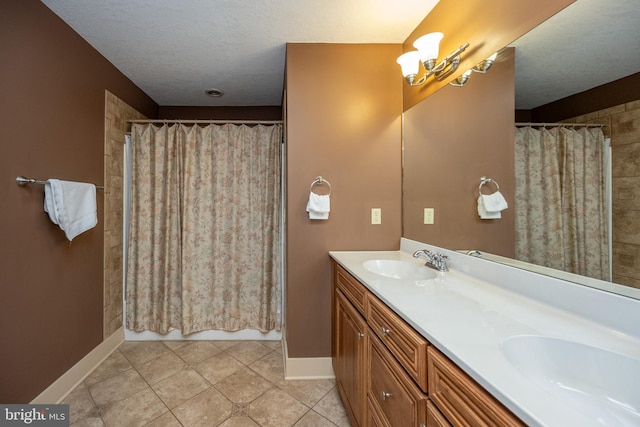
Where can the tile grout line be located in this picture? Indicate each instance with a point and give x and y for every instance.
(211, 385)
(227, 351)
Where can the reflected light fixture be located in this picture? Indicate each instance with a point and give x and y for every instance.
(427, 54)
(461, 80)
(484, 66)
(481, 68)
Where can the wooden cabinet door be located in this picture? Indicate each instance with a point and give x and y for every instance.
(349, 358)
(435, 417)
(393, 395)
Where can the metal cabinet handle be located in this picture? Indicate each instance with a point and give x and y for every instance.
(360, 335)
(385, 331)
(385, 395)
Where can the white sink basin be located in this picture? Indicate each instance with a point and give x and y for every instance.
(402, 270)
(601, 384)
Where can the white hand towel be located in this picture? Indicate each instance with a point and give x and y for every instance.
(318, 206)
(49, 204)
(71, 205)
(490, 205)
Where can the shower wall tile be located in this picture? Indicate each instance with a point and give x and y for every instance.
(626, 194)
(586, 118)
(633, 105)
(627, 227)
(630, 167)
(626, 126)
(117, 115)
(626, 264)
(608, 112)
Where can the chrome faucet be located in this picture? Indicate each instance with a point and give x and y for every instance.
(434, 260)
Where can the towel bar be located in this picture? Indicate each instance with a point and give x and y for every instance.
(320, 180)
(23, 182)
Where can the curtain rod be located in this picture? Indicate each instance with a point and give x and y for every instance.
(242, 122)
(523, 124)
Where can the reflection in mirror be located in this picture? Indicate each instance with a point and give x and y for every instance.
(459, 161)
(571, 277)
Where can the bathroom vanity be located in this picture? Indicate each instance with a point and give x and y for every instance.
(480, 345)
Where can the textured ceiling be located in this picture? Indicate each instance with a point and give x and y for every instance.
(589, 43)
(176, 49)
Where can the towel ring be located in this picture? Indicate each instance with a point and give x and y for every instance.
(319, 181)
(486, 181)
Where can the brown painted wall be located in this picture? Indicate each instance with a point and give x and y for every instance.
(52, 111)
(617, 92)
(343, 123)
(220, 113)
(487, 26)
(453, 138)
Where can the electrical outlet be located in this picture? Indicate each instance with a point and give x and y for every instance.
(376, 216)
(428, 215)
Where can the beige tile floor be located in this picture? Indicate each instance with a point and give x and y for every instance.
(202, 383)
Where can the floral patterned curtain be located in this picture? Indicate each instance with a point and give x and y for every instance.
(560, 199)
(205, 228)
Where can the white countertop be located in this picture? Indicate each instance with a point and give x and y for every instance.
(467, 318)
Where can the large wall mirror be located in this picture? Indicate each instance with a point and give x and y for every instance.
(457, 135)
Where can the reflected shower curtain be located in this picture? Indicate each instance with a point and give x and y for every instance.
(560, 199)
(205, 228)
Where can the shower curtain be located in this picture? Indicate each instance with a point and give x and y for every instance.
(560, 205)
(204, 236)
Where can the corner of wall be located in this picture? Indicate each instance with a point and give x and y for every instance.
(305, 368)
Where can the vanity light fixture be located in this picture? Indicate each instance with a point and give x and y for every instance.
(461, 80)
(427, 54)
(481, 68)
(484, 66)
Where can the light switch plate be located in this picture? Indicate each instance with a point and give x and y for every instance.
(376, 216)
(428, 215)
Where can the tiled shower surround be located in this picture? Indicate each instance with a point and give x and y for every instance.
(117, 114)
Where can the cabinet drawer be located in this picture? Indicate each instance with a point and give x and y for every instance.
(351, 288)
(434, 417)
(408, 346)
(463, 401)
(393, 397)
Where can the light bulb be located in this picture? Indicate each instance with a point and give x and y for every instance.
(429, 47)
(409, 62)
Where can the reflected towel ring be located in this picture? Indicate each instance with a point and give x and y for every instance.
(319, 181)
(485, 181)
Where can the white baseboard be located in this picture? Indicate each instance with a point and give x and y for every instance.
(60, 388)
(306, 368)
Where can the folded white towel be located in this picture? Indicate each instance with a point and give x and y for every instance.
(490, 205)
(318, 206)
(71, 205)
